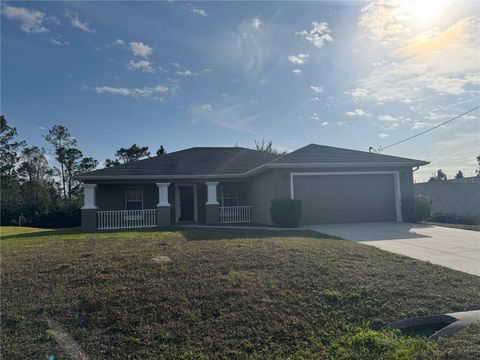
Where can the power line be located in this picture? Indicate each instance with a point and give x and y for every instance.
(423, 132)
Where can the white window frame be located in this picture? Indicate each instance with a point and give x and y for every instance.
(396, 182)
(126, 198)
(222, 194)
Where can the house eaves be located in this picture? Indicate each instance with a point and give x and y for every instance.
(253, 171)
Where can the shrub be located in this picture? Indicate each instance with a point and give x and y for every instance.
(416, 209)
(286, 212)
(451, 219)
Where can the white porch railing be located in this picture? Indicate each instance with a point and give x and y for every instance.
(126, 219)
(235, 214)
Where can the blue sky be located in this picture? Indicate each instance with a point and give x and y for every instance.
(347, 74)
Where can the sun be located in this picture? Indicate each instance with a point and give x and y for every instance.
(425, 12)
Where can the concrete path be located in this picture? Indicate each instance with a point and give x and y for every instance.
(453, 248)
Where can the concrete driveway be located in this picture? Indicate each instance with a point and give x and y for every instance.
(453, 248)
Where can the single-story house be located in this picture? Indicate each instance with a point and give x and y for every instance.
(212, 185)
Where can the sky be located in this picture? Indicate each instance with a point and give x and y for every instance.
(182, 74)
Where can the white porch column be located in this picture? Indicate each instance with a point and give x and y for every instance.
(163, 194)
(211, 192)
(89, 196)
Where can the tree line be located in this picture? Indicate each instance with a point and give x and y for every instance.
(34, 193)
(441, 176)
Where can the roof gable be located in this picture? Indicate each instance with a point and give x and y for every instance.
(314, 153)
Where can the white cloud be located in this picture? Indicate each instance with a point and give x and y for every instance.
(315, 116)
(298, 59)
(297, 71)
(159, 92)
(383, 135)
(232, 116)
(358, 112)
(394, 126)
(197, 10)
(112, 90)
(77, 23)
(140, 49)
(256, 23)
(325, 123)
(206, 107)
(420, 125)
(442, 59)
(58, 40)
(30, 21)
(317, 89)
(243, 49)
(387, 118)
(185, 73)
(142, 65)
(118, 42)
(318, 34)
(358, 93)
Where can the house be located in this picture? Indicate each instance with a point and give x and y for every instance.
(235, 185)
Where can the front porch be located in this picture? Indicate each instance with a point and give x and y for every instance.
(109, 206)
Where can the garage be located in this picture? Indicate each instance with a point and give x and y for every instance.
(342, 197)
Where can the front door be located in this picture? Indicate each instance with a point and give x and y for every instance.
(186, 203)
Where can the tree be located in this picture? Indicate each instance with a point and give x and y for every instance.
(9, 147)
(61, 140)
(161, 151)
(478, 160)
(267, 146)
(71, 159)
(440, 176)
(110, 163)
(36, 173)
(459, 175)
(125, 155)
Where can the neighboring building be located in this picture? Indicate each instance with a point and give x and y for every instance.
(234, 185)
(459, 197)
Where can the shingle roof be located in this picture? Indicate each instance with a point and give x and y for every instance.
(236, 161)
(193, 161)
(314, 153)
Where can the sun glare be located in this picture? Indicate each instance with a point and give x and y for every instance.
(425, 12)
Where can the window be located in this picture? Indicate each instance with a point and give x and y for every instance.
(134, 199)
(228, 195)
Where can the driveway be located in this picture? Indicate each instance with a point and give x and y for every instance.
(453, 248)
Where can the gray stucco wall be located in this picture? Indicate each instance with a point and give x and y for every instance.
(460, 197)
(261, 192)
(257, 191)
(276, 184)
(110, 195)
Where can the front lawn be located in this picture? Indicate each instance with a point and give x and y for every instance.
(220, 293)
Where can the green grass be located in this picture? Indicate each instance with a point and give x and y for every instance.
(241, 294)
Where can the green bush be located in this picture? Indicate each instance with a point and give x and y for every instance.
(415, 209)
(286, 212)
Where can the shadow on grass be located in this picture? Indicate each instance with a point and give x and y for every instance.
(190, 234)
(198, 234)
(45, 233)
